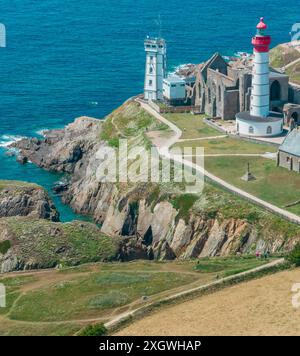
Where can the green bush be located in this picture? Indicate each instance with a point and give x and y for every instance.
(94, 330)
(4, 246)
(294, 256)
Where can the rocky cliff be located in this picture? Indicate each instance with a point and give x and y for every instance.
(154, 220)
(25, 199)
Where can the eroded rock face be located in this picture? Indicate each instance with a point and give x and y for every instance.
(22, 199)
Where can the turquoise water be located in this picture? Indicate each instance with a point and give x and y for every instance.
(70, 58)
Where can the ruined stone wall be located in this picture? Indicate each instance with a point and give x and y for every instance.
(289, 161)
(231, 104)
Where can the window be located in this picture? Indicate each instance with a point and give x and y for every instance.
(269, 130)
(288, 159)
(251, 130)
(151, 58)
(209, 96)
(173, 85)
(182, 85)
(220, 95)
(150, 70)
(275, 91)
(150, 82)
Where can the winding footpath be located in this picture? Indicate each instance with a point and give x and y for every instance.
(164, 152)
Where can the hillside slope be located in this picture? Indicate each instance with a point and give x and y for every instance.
(283, 54)
(27, 243)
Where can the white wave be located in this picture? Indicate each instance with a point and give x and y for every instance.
(41, 132)
(93, 103)
(6, 140)
(175, 69)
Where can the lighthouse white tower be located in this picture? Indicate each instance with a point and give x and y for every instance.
(260, 98)
(155, 72)
(260, 121)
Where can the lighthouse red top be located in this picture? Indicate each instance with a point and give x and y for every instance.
(261, 41)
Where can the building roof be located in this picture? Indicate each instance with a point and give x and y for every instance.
(246, 116)
(291, 143)
(174, 79)
(261, 25)
(274, 74)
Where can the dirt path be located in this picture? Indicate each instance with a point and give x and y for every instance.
(264, 303)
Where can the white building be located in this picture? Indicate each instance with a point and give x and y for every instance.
(174, 89)
(155, 72)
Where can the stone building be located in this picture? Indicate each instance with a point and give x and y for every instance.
(289, 152)
(223, 89)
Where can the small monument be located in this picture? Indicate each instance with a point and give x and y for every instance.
(248, 177)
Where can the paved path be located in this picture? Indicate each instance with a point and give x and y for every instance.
(179, 295)
(291, 64)
(164, 152)
(229, 155)
(202, 138)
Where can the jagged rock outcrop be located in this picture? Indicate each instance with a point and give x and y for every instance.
(25, 199)
(149, 220)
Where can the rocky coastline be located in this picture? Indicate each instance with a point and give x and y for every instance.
(151, 223)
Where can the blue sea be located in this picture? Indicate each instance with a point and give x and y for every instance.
(70, 58)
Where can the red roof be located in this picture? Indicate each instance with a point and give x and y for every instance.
(261, 25)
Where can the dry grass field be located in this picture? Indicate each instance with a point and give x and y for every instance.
(258, 307)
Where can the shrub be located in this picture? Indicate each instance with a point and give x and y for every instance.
(294, 256)
(94, 330)
(4, 246)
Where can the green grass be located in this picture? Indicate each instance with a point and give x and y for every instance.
(228, 146)
(283, 55)
(192, 126)
(274, 184)
(294, 73)
(11, 328)
(47, 244)
(101, 289)
(92, 295)
(227, 266)
(12, 286)
(7, 184)
(128, 121)
(183, 203)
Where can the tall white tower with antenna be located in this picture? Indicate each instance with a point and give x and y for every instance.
(155, 72)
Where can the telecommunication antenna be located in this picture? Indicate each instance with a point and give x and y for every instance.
(159, 23)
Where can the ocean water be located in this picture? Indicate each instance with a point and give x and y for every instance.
(70, 58)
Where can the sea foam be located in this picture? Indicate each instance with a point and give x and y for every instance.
(6, 140)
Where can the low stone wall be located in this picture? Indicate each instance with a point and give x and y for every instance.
(172, 109)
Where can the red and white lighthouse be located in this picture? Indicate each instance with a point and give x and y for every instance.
(260, 98)
(260, 121)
